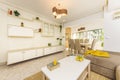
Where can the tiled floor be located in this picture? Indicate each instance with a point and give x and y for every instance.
(22, 70)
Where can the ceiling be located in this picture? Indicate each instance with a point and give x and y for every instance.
(76, 8)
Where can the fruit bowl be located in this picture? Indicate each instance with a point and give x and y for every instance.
(79, 58)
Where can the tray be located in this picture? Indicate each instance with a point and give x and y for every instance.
(51, 67)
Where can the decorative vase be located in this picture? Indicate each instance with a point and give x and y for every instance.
(60, 28)
(9, 12)
(49, 44)
(39, 30)
(60, 43)
(37, 18)
(22, 24)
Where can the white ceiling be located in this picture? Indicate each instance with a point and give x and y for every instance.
(76, 8)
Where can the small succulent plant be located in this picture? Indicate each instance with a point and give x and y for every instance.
(16, 13)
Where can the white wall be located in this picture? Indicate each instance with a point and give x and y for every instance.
(113, 4)
(112, 32)
(94, 21)
(112, 26)
(10, 43)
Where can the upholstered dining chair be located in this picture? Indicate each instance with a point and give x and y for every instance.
(71, 45)
(78, 47)
(86, 40)
(92, 45)
(81, 40)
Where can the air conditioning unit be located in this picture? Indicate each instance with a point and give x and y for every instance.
(116, 15)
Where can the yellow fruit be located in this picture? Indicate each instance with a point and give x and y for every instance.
(79, 58)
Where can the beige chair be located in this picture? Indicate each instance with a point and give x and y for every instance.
(92, 45)
(71, 45)
(81, 40)
(78, 47)
(86, 41)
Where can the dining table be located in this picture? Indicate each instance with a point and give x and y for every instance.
(85, 45)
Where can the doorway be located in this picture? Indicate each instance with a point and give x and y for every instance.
(67, 36)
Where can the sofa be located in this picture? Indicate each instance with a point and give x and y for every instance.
(108, 67)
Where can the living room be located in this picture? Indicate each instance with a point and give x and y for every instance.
(34, 34)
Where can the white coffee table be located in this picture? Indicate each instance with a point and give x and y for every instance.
(69, 69)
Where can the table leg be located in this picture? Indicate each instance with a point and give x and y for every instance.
(43, 77)
(88, 72)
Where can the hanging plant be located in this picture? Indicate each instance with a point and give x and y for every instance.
(60, 28)
(16, 13)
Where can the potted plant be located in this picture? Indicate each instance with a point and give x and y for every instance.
(16, 13)
(49, 44)
(60, 43)
(102, 39)
(60, 28)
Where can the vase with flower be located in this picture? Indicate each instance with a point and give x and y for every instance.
(60, 41)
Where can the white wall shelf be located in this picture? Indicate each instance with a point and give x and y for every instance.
(21, 17)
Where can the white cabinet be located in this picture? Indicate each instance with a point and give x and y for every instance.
(17, 31)
(47, 50)
(22, 55)
(60, 48)
(55, 49)
(18, 56)
(39, 52)
(29, 54)
(14, 57)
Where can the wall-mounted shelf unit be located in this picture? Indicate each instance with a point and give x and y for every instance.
(21, 17)
(17, 31)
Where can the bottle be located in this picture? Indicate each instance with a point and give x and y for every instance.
(55, 62)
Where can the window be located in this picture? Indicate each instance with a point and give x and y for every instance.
(90, 34)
